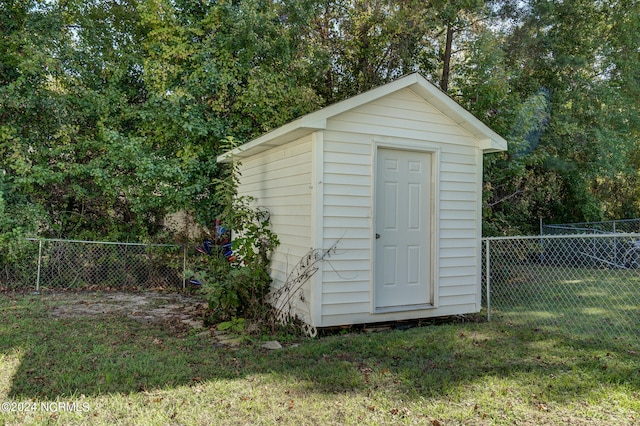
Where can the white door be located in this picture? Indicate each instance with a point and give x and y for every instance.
(403, 218)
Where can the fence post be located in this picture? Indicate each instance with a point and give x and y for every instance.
(39, 264)
(615, 244)
(488, 278)
(184, 266)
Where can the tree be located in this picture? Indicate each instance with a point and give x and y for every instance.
(24, 99)
(226, 69)
(112, 112)
(566, 50)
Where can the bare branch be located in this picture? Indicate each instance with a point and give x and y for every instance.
(518, 192)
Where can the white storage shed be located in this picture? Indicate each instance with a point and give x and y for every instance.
(394, 175)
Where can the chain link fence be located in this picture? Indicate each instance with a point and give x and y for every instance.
(55, 264)
(583, 287)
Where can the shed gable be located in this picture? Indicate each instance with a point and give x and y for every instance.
(487, 139)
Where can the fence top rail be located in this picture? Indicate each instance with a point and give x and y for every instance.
(594, 223)
(575, 228)
(101, 242)
(557, 237)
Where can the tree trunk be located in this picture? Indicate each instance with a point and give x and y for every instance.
(446, 59)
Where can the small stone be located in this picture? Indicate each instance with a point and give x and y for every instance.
(230, 340)
(273, 344)
(193, 323)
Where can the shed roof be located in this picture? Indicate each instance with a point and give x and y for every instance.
(489, 140)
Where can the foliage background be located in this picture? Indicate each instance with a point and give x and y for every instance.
(112, 112)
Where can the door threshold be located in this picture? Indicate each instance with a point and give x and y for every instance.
(403, 308)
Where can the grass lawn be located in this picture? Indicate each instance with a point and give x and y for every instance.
(113, 370)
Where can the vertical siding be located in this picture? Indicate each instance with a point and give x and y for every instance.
(348, 206)
(280, 181)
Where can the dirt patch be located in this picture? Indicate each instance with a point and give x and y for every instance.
(148, 307)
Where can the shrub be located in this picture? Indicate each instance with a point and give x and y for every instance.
(237, 287)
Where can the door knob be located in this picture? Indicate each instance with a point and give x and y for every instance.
(377, 236)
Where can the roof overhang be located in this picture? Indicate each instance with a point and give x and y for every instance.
(489, 141)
